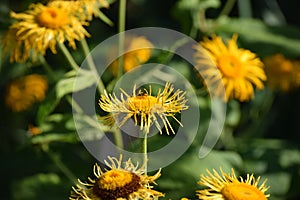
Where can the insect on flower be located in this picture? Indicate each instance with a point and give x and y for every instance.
(144, 108)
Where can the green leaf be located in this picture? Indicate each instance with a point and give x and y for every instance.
(182, 68)
(198, 4)
(260, 37)
(289, 158)
(47, 106)
(233, 113)
(181, 177)
(279, 183)
(90, 127)
(40, 186)
(58, 122)
(67, 85)
(54, 137)
(57, 128)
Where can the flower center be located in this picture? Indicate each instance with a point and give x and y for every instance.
(230, 66)
(113, 179)
(52, 18)
(115, 184)
(242, 191)
(142, 104)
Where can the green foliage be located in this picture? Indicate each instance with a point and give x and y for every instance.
(259, 136)
(38, 186)
(257, 34)
(67, 85)
(198, 5)
(180, 178)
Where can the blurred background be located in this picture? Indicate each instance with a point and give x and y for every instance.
(260, 136)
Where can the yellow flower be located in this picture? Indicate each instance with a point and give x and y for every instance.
(84, 9)
(229, 187)
(240, 69)
(40, 28)
(18, 49)
(117, 183)
(134, 58)
(282, 73)
(145, 109)
(22, 93)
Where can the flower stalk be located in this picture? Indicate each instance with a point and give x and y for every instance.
(145, 149)
(122, 22)
(68, 56)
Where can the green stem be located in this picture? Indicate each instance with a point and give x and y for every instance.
(244, 7)
(92, 66)
(179, 43)
(68, 55)
(118, 137)
(74, 104)
(91, 121)
(57, 161)
(116, 132)
(199, 19)
(227, 7)
(48, 69)
(122, 21)
(193, 31)
(145, 150)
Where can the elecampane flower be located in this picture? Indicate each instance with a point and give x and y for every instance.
(228, 187)
(22, 93)
(42, 27)
(240, 69)
(126, 182)
(85, 9)
(283, 74)
(145, 109)
(139, 52)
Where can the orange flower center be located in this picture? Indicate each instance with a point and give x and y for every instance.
(113, 179)
(242, 191)
(230, 66)
(142, 103)
(116, 184)
(52, 18)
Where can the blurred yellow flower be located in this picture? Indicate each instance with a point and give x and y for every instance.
(240, 69)
(42, 27)
(282, 73)
(22, 93)
(33, 130)
(117, 183)
(83, 9)
(19, 50)
(228, 187)
(144, 108)
(136, 57)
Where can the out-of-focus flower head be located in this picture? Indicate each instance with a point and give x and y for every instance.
(238, 70)
(85, 9)
(139, 52)
(42, 27)
(283, 74)
(23, 92)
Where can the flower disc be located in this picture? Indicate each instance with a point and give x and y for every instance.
(242, 191)
(52, 18)
(116, 184)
